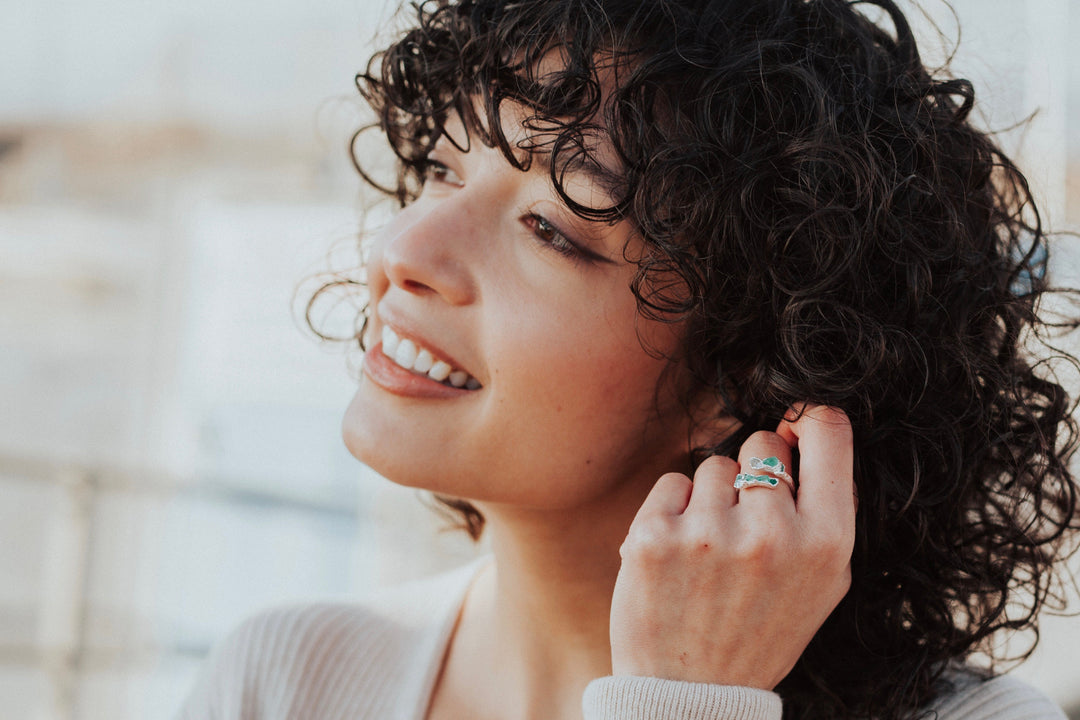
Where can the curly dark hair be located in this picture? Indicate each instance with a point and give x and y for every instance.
(827, 224)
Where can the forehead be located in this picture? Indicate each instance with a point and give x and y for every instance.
(574, 149)
(582, 172)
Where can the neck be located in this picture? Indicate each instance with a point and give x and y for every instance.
(535, 631)
(553, 584)
(537, 627)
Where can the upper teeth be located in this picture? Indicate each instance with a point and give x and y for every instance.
(410, 356)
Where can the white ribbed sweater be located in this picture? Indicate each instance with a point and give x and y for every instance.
(379, 661)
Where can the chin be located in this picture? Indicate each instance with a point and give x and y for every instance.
(396, 455)
(366, 439)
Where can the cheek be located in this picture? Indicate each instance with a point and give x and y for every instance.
(585, 378)
(575, 427)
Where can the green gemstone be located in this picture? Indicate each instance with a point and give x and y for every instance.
(771, 461)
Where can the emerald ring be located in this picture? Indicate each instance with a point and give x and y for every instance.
(745, 480)
(773, 466)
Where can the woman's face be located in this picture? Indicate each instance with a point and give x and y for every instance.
(492, 275)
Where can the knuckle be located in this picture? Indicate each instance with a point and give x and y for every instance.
(834, 417)
(757, 549)
(766, 438)
(673, 479)
(648, 540)
(717, 464)
(831, 549)
(670, 487)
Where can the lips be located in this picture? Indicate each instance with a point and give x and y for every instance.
(410, 355)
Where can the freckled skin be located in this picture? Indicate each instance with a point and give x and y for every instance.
(555, 342)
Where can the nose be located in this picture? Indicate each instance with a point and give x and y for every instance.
(425, 251)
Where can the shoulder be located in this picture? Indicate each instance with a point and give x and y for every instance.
(385, 623)
(330, 659)
(967, 695)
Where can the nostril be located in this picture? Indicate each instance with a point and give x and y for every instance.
(415, 286)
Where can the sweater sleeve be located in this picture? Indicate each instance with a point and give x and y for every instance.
(641, 698)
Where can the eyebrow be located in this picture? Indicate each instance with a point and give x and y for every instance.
(594, 171)
(581, 164)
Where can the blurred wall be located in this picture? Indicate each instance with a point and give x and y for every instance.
(169, 452)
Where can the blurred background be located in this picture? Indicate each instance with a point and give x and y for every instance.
(170, 453)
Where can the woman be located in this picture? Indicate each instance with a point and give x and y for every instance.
(715, 315)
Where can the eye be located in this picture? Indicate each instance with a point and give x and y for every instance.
(550, 235)
(440, 173)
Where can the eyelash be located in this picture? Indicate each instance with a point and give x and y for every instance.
(546, 232)
(437, 171)
(543, 229)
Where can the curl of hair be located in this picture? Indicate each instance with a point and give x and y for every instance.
(832, 229)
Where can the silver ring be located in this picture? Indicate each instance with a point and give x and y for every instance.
(773, 466)
(745, 480)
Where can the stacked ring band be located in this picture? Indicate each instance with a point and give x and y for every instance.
(772, 466)
(745, 480)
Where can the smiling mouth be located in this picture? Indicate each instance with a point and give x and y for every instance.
(405, 353)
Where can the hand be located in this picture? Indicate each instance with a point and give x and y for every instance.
(728, 587)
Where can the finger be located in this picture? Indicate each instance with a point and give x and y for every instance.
(770, 450)
(764, 445)
(714, 488)
(826, 456)
(668, 497)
